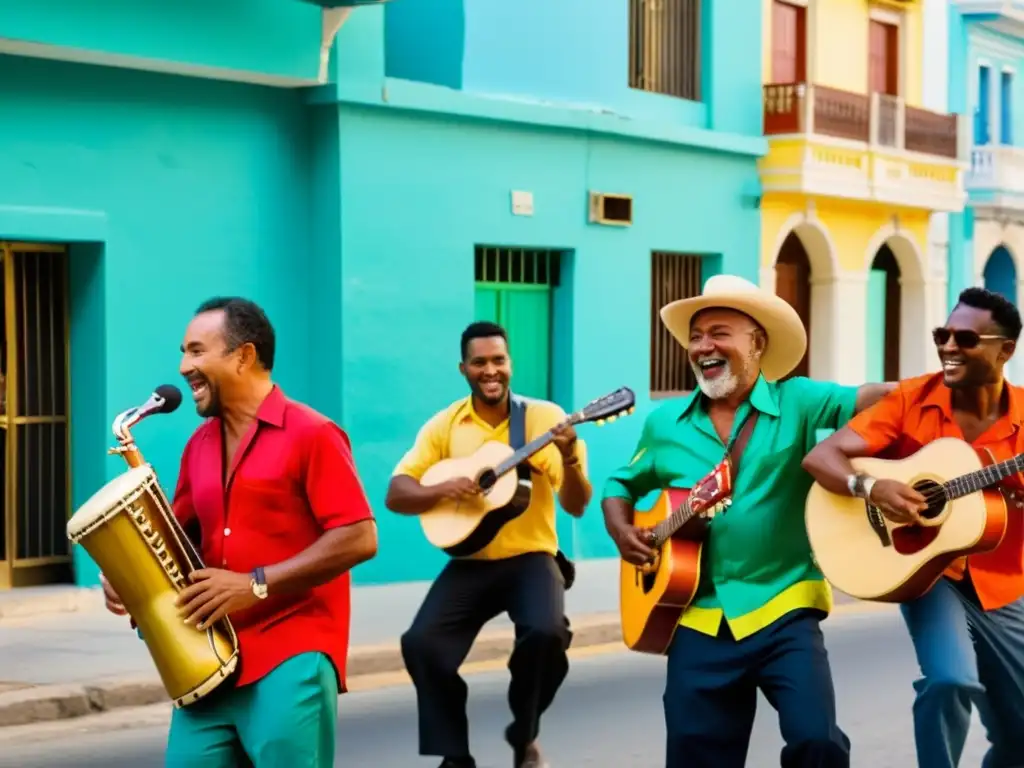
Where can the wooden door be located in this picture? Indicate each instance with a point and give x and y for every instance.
(789, 43)
(793, 283)
(883, 58)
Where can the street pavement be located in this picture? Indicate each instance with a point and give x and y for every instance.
(607, 715)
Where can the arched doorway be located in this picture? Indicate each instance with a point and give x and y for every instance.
(793, 283)
(1000, 274)
(884, 316)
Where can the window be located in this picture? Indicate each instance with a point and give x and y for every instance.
(665, 47)
(1006, 107)
(981, 111)
(674, 276)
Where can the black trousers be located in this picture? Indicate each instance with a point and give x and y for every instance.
(466, 595)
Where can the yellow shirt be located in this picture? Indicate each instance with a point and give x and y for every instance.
(457, 432)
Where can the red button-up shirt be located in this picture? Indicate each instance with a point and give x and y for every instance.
(292, 478)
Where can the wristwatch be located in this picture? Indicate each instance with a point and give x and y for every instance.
(259, 583)
(860, 485)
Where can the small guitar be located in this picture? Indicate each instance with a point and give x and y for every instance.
(464, 527)
(869, 557)
(653, 596)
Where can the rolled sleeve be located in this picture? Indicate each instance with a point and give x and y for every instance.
(638, 478)
(335, 492)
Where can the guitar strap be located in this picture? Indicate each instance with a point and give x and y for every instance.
(516, 440)
(740, 443)
(517, 434)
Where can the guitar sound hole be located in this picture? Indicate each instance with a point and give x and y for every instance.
(487, 480)
(932, 491)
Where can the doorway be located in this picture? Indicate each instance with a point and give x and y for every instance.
(34, 419)
(793, 283)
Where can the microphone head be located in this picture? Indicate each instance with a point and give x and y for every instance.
(171, 396)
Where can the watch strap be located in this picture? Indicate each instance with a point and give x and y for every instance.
(259, 577)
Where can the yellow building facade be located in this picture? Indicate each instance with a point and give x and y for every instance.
(854, 173)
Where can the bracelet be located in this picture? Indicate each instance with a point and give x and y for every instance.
(571, 461)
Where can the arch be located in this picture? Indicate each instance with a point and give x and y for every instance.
(896, 308)
(988, 237)
(803, 271)
(817, 242)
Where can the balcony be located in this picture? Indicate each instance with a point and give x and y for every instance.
(832, 143)
(995, 181)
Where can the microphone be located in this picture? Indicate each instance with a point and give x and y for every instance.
(168, 396)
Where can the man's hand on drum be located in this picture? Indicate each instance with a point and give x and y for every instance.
(214, 595)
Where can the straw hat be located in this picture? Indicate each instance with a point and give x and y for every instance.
(787, 338)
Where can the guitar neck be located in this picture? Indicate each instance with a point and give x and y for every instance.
(667, 527)
(982, 478)
(532, 447)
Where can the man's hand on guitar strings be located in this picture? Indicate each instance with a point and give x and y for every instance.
(634, 544)
(898, 501)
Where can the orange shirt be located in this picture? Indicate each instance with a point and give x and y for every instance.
(920, 410)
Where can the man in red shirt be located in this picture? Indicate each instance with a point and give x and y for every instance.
(968, 630)
(283, 517)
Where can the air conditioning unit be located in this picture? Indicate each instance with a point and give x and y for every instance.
(610, 209)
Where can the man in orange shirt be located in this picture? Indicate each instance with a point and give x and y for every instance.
(968, 630)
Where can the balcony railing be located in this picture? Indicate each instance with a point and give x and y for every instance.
(877, 119)
(997, 169)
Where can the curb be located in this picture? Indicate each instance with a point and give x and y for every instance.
(42, 703)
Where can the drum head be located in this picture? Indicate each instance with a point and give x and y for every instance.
(108, 500)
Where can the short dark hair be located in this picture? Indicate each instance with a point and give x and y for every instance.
(1004, 313)
(481, 330)
(245, 322)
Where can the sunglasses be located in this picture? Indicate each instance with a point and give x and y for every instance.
(964, 339)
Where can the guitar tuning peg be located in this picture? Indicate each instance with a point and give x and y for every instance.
(600, 422)
(612, 419)
(632, 409)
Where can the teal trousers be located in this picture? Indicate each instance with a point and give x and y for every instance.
(285, 720)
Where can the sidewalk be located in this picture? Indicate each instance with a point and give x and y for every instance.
(62, 655)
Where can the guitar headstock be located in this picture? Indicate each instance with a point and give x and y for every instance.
(606, 409)
(713, 490)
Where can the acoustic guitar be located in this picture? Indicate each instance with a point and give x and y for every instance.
(464, 527)
(867, 556)
(653, 596)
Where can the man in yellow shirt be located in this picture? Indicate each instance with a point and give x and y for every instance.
(521, 571)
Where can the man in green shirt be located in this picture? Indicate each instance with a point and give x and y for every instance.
(755, 620)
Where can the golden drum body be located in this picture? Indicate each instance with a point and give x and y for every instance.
(128, 527)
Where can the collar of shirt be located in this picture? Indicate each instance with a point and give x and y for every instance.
(938, 396)
(763, 397)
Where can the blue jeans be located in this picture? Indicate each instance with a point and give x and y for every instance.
(967, 657)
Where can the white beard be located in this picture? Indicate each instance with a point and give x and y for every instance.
(723, 385)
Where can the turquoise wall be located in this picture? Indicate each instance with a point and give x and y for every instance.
(418, 192)
(175, 189)
(574, 51)
(272, 38)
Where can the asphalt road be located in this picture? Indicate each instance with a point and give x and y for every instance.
(608, 715)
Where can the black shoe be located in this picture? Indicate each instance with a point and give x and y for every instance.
(458, 762)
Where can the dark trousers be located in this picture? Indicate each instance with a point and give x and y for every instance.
(711, 695)
(466, 595)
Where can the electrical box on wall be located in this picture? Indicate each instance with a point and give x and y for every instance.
(611, 210)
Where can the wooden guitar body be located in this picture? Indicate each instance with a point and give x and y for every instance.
(652, 598)
(869, 557)
(462, 527)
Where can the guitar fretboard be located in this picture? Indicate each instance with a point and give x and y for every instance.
(667, 527)
(982, 478)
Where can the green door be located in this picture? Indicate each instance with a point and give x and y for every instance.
(513, 289)
(874, 339)
(524, 311)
